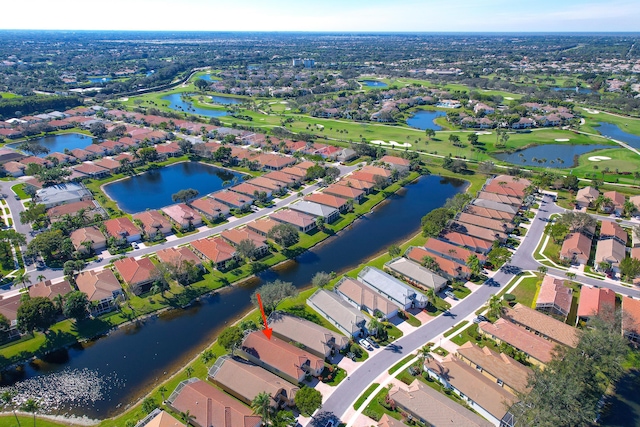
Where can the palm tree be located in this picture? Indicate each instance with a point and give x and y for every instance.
(23, 278)
(261, 405)
(186, 417)
(284, 419)
(31, 405)
(7, 400)
(431, 297)
(425, 355)
(162, 391)
(495, 306)
(40, 278)
(189, 371)
(374, 326)
(58, 301)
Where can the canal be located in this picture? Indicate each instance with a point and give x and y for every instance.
(118, 369)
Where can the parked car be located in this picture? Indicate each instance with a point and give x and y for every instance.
(373, 342)
(365, 344)
(480, 318)
(451, 295)
(134, 245)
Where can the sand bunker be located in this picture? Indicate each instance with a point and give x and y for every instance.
(319, 126)
(124, 99)
(283, 102)
(508, 98)
(483, 133)
(598, 158)
(588, 110)
(391, 143)
(562, 139)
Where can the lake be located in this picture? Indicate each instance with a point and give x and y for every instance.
(226, 100)
(131, 360)
(425, 120)
(206, 77)
(178, 104)
(60, 142)
(581, 90)
(616, 132)
(153, 189)
(374, 83)
(554, 155)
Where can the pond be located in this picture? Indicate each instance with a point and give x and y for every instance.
(374, 83)
(153, 189)
(131, 360)
(60, 142)
(549, 155)
(425, 120)
(616, 132)
(581, 90)
(178, 104)
(226, 100)
(207, 78)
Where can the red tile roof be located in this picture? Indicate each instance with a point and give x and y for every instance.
(216, 249)
(528, 342)
(49, 290)
(177, 256)
(596, 301)
(121, 227)
(135, 271)
(327, 200)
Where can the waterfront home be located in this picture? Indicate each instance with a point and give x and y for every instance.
(310, 336)
(447, 268)
(466, 241)
(102, 289)
(415, 274)
(349, 320)
(431, 408)
(397, 163)
(33, 160)
(498, 206)
(183, 216)
(138, 274)
(482, 395)
(576, 248)
(172, 149)
(159, 418)
(489, 213)
(248, 189)
(262, 226)
(232, 199)
(113, 147)
(210, 407)
(123, 230)
(500, 198)
(484, 222)
(377, 171)
(61, 194)
(178, 256)
(450, 251)
(216, 250)
(90, 170)
(478, 231)
(395, 290)
(586, 197)
(153, 223)
(50, 290)
(513, 189)
(543, 325)
(109, 164)
(274, 162)
(554, 297)
(236, 236)
(610, 252)
(279, 357)
(352, 182)
(537, 350)
(345, 192)
(631, 318)
(328, 200)
(89, 208)
(303, 221)
(366, 299)
(96, 150)
(617, 202)
(367, 177)
(212, 209)
(9, 309)
(244, 381)
(498, 367)
(82, 154)
(595, 302)
(61, 158)
(268, 184)
(15, 169)
(328, 213)
(88, 239)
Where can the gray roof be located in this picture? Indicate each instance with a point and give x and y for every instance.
(61, 193)
(490, 204)
(314, 337)
(417, 273)
(390, 286)
(336, 310)
(314, 209)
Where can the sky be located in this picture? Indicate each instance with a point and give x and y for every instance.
(325, 15)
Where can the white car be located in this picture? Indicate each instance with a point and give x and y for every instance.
(364, 343)
(134, 245)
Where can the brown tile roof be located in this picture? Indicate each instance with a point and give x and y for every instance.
(212, 407)
(181, 213)
(596, 301)
(89, 169)
(281, 355)
(364, 296)
(545, 325)
(50, 290)
(295, 171)
(395, 160)
(9, 307)
(361, 176)
(609, 250)
(305, 165)
(71, 208)
(528, 342)
(262, 225)
(81, 154)
(452, 268)
(508, 189)
(164, 419)
(466, 240)
(617, 198)
(449, 250)
(612, 229)
(247, 188)
(237, 235)
(484, 222)
(135, 271)
(231, 198)
(477, 231)
(210, 207)
(152, 221)
(553, 292)
(275, 161)
(281, 177)
(353, 182)
(299, 219)
(387, 421)
(107, 163)
(630, 315)
(500, 198)
(344, 191)
(121, 227)
(576, 244)
(216, 249)
(327, 200)
(513, 179)
(98, 285)
(87, 234)
(314, 337)
(269, 184)
(375, 170)
(178, 256)
(488, 213)
(587, 195)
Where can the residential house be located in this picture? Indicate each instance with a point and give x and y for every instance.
(387, 285)
(328, 200)
(183, 216)
(235, 236)
(611, 230)
(346, 155)
(554, 297)
(610, 252)
(352, 182)
(631, 318)
(498, 206)
(269, 185)
(262, 226)
(397, 163)
(479, 392)
(279, 357)
(415, 274)
(489, 213)
(210, 407)
(478, 231)
(345, 192)
(244, 381)
(109, 164)
(489, 223)
(447, 268)
(543, 325)
(500, 198)
(636, 201)
(219, 252)
(61, 158)
(35, 160)
(248, 189)
(178, 256)
(523, 123)
(15, 169)
(430, 408)
(349, 320)
(232, 199)
(576, 248)
(595, 302)
(212, 209)
(91, 170)
(172, 149)
(366, 299)
(275, 163)
(310, 336)
(586, 197)
(159, 418)
(102, 289)
(283, 178)
(96, 150)
(82, 154)
(123, 230)
(9, 308)
(61, 194)
(617, 202)
(449, 251)
(464, 240)
(317, 210)
(88, 208)
(304, 222)
(498, 367)
(50, 290)
(154, 224)
(88, 238)
(513, 189)
(138, 274)
(299, 173)
(537, 350)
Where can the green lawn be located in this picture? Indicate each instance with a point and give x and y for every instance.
(628, 124)
(19, 190)
(526, 291)
(456, 328)
(365, 395)
(8, 95)
(401, 363)
(375, 408)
